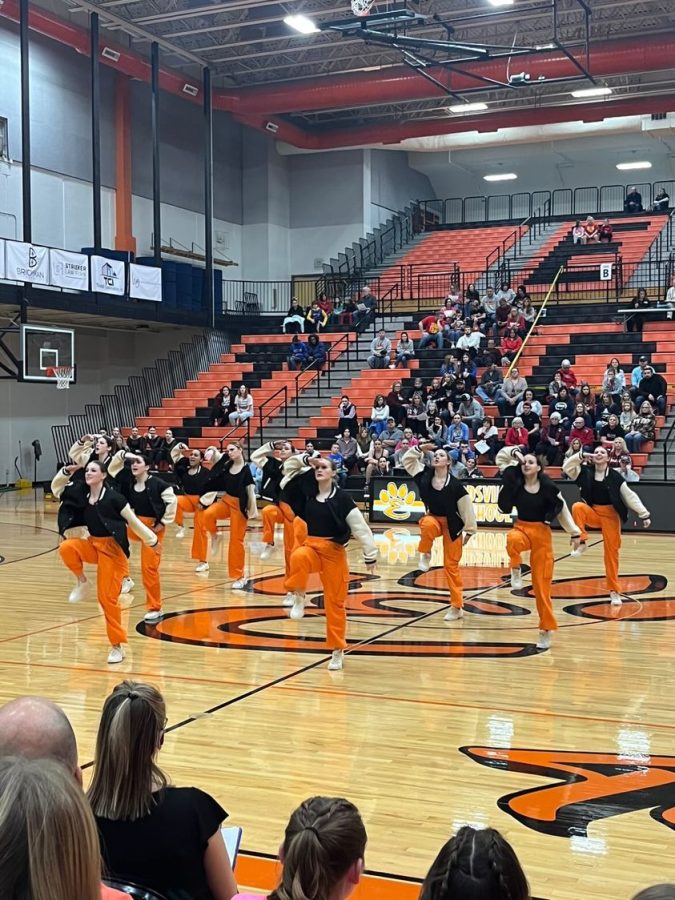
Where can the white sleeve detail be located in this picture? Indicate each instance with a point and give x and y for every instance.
(170, 504)
(505, 458)
(80, 452)
(566, 520)
(572, 465)
(147, 535)
(467, 514)
(260, 456)
(633, 502)
(361, 531)
(59, 481)
(252, 506)
(412, 461)
(116, 463)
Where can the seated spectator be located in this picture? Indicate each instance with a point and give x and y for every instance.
(470, 295)
(163, 837)
(611, 429)
(626, 415)
(449, 365)
(472, 470)
(564, 405)
(316, 353)
(569, 379)
(347, 312)
(578, 233)
(297, 354)
(489, 304)
(529, 314)
(363, 441)
(605, 232)
(409, 436)
(583, 412)
(458, 469)
(612, 382)
(338, 461)
(431, 327)
(517, 435)
(378, 415)
(136, 442)
(501, 318)
(458, 432)
(511, 393)
(469, 341)
(635, 323)
(633, 202)
(118, 441)
(616, 451)
(376, 452)
(506, 293)
(637, 375)
(477, 316)
(153, 444)
(535, 405)
(591, 229)
(510, 346)
(418, 388)
(670, 298)
(405, 350)
(436, 431)
(383, 466)
(467, 371)
(391, 435)
(487, 438)
(221, 405)
(661, 201)
(316, 318)
(396, 401)
(652, 387)
(488, 355)
(515, 320)
(243, 407)
(490, 381)
(521, 297)
(573, 449)
(294, 323)
(325, 304)
(168, 443)
(605, 405)
(348, 449)
(401, 450)
(416, 414)
(347, 417)
(532, 424)
(552, 440)
(554, 387)
(476, 863)
(471, 412)
(643, 427)
(583, 433)
(380, 351)
(586, 398)
(626, 469)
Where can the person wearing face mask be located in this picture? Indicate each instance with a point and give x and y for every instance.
(606, 499)
(538, 502)
(106, 514)
(449, 515)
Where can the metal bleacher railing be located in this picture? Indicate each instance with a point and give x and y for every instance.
(133, 399)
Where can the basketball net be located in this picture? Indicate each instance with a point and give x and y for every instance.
(361, 7)
(63, 374)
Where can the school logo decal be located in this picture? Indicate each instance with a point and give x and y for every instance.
(587, 787)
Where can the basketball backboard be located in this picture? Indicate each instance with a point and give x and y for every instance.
(45, 348)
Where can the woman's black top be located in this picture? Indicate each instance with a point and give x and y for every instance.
(543, 506)
(600, 492)
(164, 850)
(92, 520)
(141, 503)
(75, 509)
(329, 519)
(192, 483)
(235, 484)
(531, 507)
(442, 503)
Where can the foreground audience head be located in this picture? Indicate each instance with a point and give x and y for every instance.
(476, 865)
(49, 846)
(36, 728)
(130, 733)
(657, 892)
(322, 853)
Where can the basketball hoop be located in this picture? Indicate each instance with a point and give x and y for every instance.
(63, 375)
(361, 7)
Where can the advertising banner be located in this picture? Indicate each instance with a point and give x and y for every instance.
(26, 262)
(108, 276)
(69, 270)
(145, 282)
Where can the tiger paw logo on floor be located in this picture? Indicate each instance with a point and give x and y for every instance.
(398, 503)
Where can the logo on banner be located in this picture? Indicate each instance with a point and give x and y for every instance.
(145, 282)
(108, 275)
(69, 270)
(26, 262)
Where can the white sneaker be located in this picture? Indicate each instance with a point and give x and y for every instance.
(544, 641)
(267, 551)
(127, 585)
(239, 584)
(79, 592)
(453, 614)
(180, 534)
(202, 567)
(582, 548)
(215, 539)
(615, 599)
(516, 578)
(336, 661)
(299, 601)
(152, 616)
(289, 599)
(425, 562)
(116, 654)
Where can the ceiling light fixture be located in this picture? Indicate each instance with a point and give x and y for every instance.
(467, 107)
(190, 89)
(109, 53)
(501, 176)
(626, 167)
(592, 92)
(301, 23)
(501, 2)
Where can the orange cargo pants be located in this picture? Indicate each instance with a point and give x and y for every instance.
(432, 527)
(150, 560)
(205, 523)
(187, 503)
(329, 560)
(607, 519)
(107, 554)
(535, 537)
(295, 530)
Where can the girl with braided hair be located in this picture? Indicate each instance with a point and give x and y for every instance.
(322, 852)
(476, 864)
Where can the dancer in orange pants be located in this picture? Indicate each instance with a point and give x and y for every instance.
(606, 501)
(192, 478)
(332, 518)
(270, 458)
(538, 502)
(106, 515)
(231, 474)
(449, 513)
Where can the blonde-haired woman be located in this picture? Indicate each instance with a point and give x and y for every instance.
(49, 848)
(163, 837)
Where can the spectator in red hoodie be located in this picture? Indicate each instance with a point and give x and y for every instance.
(431, 328)
(517, 435)
(585, 434)
(569, 379)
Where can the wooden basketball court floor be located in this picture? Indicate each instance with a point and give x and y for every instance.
(569, 752)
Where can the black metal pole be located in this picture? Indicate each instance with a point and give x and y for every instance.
(208, 195)
(25, 121)
(95, 127)
(156, 187)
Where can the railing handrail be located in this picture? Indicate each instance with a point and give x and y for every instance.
(666, 443)
(282, 390)
(234, 428)
(330, 355)
(514, 361)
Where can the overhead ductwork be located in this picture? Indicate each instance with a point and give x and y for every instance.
(257, 107)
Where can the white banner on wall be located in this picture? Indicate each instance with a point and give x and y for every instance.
(145, 282)
(26, 262)
(2, 258)
(69, 270)
(107, 275)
